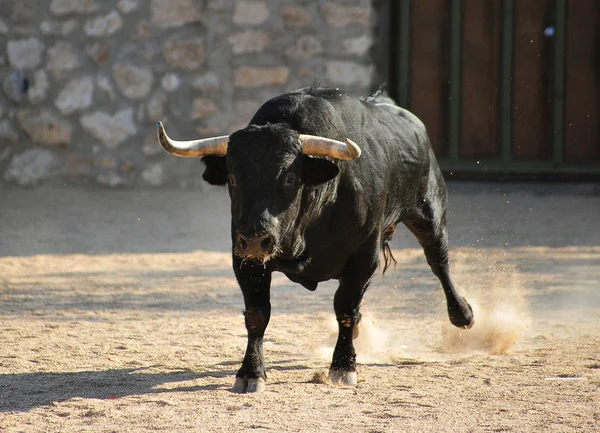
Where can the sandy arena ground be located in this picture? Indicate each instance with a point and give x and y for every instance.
(119, 312)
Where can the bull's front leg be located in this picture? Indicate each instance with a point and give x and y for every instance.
(255, 282)
(354, 281)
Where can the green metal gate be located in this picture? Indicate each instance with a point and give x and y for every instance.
(503, 86)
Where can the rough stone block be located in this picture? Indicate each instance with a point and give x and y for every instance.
(203, 107)
(250, 41)
(62, 59)
(58, 28)
(249, 77)
(8, 132)
(207, 84)
(135, 82)
(170, 82)
(106, 86)
(188, 54)
(38, 87)
(348, 73)
(295, 17)
(112, 130)
(358, 46)
(65, 7)
(99, 52)
(32, 166)
(76, 96)
(306, 47)
(175, 13)
(250, 12)
(45, 127)
(24, 54)
(156, 106)
(128, 6)
(340, 15)
(103, 25)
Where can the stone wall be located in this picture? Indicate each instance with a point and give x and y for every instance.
(84, 81)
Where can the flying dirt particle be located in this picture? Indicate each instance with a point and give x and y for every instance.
(321, 376)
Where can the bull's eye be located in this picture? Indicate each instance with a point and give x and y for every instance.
(290, 179)
(231, 180)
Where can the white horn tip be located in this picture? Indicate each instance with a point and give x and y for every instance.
(353, 148)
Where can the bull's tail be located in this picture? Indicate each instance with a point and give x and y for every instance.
(386, 250)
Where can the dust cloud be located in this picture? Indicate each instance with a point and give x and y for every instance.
(496, 293)
(372, 343)
(497, 329)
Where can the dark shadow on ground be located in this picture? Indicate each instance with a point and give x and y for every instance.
(50, 220)
(26, 391)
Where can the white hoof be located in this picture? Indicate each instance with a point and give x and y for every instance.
(256, 385)
(343, 377)
(240, 385)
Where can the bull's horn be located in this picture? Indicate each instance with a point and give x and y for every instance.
(193, 148)
(321, 146)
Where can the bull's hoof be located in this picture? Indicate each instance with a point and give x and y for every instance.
(243, 385)
(256, 385)
(462, 316)
(240, 385)
(339, 377)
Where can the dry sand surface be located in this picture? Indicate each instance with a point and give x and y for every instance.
(119, 312)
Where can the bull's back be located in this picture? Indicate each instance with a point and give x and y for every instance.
(397, 150)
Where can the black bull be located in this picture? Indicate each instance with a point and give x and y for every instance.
(326, 217)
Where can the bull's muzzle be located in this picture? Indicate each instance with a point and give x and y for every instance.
(260, 247)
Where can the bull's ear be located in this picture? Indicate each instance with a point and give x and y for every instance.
(317, 170)
(215, 172)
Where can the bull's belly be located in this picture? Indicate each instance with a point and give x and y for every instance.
(306, 282)
(308, 272)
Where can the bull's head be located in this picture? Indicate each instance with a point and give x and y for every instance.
(266, 169)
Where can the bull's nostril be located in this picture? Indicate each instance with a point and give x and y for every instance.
(243, 243)
(266, 243)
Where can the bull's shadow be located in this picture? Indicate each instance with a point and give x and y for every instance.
(26, 391)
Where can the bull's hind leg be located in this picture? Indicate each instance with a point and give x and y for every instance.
(255, 282)
(353, 283)
(430, 229)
